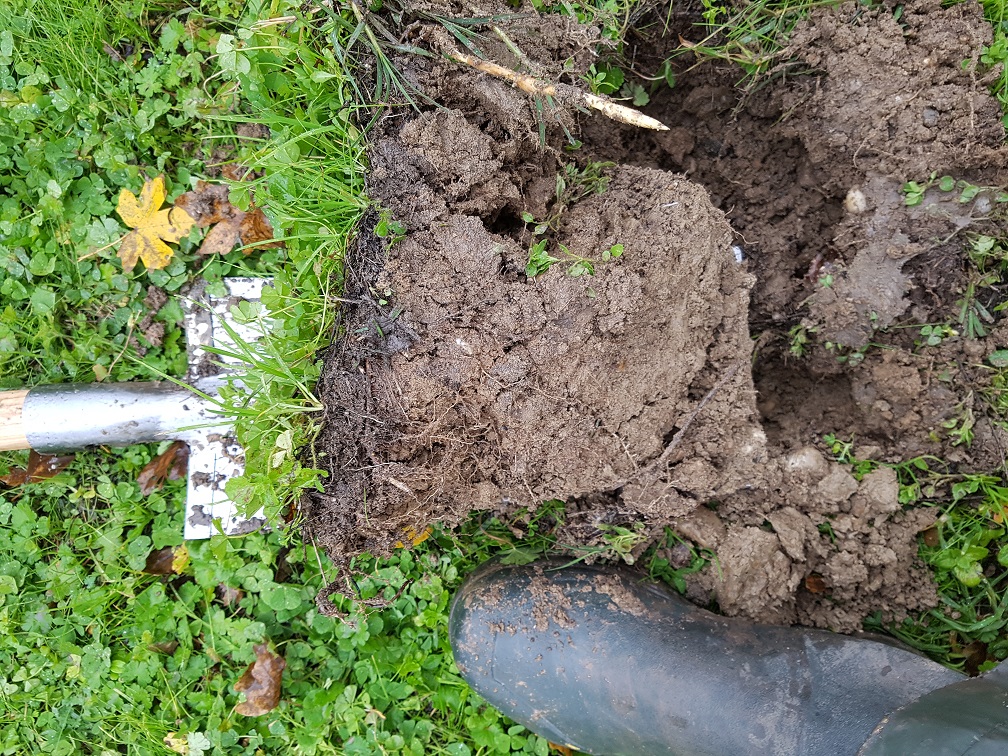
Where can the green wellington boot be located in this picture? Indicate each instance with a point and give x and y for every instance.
(596, 659)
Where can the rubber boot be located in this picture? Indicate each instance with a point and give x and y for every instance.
(599, 660)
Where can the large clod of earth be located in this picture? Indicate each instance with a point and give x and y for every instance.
(630, 349)
(468, 383)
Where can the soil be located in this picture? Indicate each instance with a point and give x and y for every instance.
(662, 389)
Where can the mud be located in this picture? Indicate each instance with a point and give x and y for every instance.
(663, 388)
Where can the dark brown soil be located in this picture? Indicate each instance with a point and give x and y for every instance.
(663, 387)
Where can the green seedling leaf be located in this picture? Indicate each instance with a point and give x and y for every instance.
(975, 553)
(964, 488)
(1002, 556)
(999, 359)
(539, 259)
(614, 252)
(946, 183)
(969, 575)
(914, 193)
(969, 192)
(6, 44)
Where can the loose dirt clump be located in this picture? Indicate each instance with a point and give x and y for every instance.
(664, 388)
(464, 383)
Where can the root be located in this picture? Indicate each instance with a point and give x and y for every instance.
(538, 88)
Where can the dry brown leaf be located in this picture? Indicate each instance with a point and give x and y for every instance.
(235, 172)
(562, 749)
(40, 467)
(261, 683)
(170, 465)
(167, 561)
(222, 238)
(815, 583)
(208, 204)
(256, 229)
(164, 647)
(229, 596)
(159, 561)
(152, 227)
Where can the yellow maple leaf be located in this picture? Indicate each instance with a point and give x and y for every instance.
(152, 227)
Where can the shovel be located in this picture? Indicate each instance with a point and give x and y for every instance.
(64, 417)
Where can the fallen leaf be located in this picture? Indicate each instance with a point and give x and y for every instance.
(222, 238)
(974, 655)
(815, 584)
(159, 561)
(165, 647)
(112, 52)
(261, 683)
(40, 467)
(209, 205)
(930, 537)
(235, 172)
(180, 559)
(562, 749)
(256, 229)
(152, 227)
(229, 596)
(169, 465)
(415, 538)
(176, 743)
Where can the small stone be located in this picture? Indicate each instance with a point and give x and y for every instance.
(929, 117)
(855, 202)
(807, 462)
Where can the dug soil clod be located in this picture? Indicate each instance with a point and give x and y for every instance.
(596, 339)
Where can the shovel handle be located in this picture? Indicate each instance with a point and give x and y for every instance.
(12, 430)
(71, 416)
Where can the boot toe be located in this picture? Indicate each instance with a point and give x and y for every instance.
(597, 659)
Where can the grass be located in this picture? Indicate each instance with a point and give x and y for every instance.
(968, 551)
(752, 35)
(100, 653)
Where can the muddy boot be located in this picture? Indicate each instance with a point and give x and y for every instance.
(597, 659)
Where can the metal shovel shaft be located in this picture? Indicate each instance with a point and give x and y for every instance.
(63, 417)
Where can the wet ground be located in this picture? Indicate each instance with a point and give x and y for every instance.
(645, 374)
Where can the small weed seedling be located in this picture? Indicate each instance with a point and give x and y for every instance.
(389, 229)
(539, 259)
(572, 184)
(798, 341)
(843, 452)
(960, 426)
(933, 335)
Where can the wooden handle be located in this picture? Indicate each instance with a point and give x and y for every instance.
(12, 430)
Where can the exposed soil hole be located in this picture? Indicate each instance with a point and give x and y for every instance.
(506, 223)
(634, 367)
